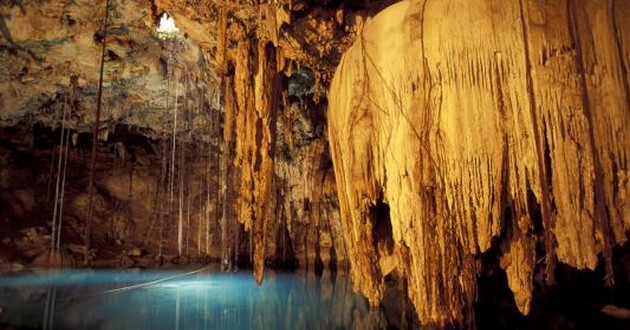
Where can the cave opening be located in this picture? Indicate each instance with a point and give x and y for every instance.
(166, 26)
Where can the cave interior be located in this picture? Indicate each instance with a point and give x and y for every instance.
(464, 163)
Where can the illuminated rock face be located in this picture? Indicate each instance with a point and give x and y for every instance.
(191, 97)
(51, 43)
(480, 124)
(457, 128)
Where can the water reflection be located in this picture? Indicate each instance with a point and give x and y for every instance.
(207, 300)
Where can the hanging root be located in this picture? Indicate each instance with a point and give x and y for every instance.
(88, 227)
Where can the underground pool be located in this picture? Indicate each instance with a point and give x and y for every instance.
(192, 299)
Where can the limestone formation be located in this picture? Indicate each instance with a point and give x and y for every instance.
(481, 124)
(454, 132)
(188, 137)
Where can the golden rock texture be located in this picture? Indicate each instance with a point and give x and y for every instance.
(478, 122)
(457, 128)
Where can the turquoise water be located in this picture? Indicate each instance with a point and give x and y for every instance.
(91, 299)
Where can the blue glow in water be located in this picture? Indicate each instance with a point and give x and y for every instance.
(86, 299)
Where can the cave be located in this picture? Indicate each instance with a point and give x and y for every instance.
(314, 164)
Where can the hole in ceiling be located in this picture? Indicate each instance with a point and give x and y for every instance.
(167, 27)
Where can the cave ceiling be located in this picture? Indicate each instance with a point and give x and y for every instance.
(50, 53)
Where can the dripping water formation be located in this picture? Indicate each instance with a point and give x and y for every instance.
(314, 164)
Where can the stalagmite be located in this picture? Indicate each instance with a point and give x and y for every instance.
(476, 121)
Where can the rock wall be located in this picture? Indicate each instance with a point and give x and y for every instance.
(185, 159)
(44, 45)
(159, 100)
(305, 182)
(460, 126)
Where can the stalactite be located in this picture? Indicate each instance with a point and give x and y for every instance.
(244, 124)
(542, 82)
(620, 28)
(601, 214)
(266, 82)
(250, 105)
(307, 263)
(538, 137)
(332, 264)
(221, 55)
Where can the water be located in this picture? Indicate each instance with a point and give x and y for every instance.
(89, 299)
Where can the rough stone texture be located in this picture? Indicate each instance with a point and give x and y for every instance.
(45, 44)
(307, 205)
(171, 105)
(457, 128)
(482, 121)
(257, 47)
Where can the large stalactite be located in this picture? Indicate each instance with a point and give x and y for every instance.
(250, 122)
(255, 123)
(478, 122)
